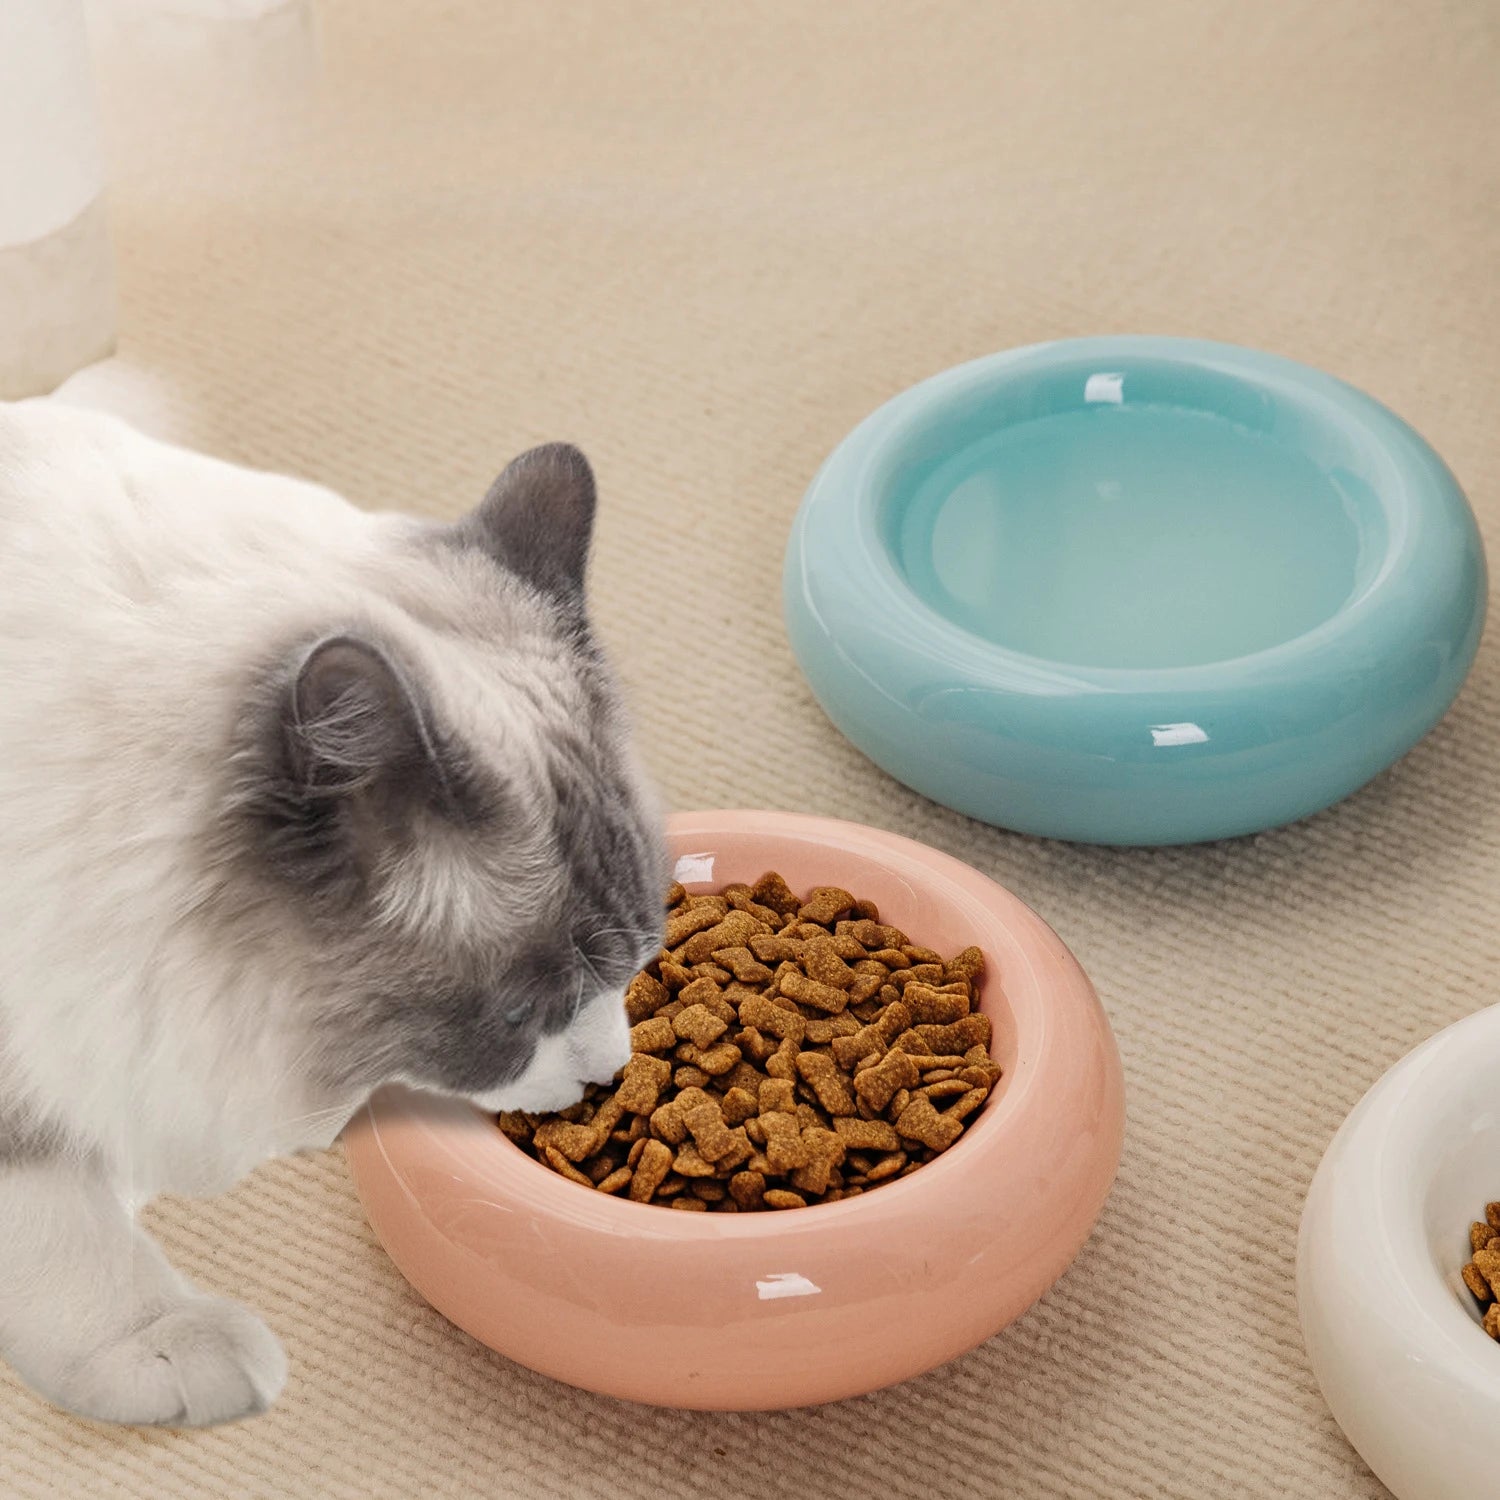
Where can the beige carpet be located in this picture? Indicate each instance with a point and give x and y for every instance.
(704, 241)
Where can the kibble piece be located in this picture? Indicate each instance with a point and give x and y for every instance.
(877, 1086)
(1477, 1284)
(1488, 1263)
(966, 1104)
(516, 1127)
(654, 1035)
(797, 986)
(777, 1096)
(668, 1125)
(699, 1025)
(715, 1062)
(827, 1082)
(889, 1166)
(644, 997)
(932, 1006)
(734, 931)
(743, 965)
(968, 965)
(641, 1083)
(782, 1198)
(747, 1189)
(739, 1105)
(825, 905)
(867, 1135)
(689, 1077)
(970, 1031)
(920, 1121)
(1480, 1235)
(682, 925)
(695, 1205)
(772, 1019)
(617, 1181)
(1492, 1321)
(1492, 1215)
(574, 1141)
(784, 1145)
(825, 1151)
(823, 963)
(771, 890)
(561, 1165)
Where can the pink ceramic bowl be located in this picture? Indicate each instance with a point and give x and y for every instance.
(768, 1310)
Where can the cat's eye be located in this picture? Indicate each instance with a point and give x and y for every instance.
(517, 1013)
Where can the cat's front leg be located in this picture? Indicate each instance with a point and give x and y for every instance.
(94, 1318)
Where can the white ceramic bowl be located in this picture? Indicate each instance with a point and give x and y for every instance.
(1392, 1332)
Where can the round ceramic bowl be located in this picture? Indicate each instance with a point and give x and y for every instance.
(770, 1310)
(1392, 1332)
(1134, 590)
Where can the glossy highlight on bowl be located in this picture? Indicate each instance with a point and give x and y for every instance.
(772, 1310)
(1134, 590)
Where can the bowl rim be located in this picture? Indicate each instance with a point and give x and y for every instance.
(1367, 1168)
(486, 1152)
(849, 482)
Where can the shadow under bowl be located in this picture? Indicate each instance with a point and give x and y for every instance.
(1134, 590)
(792, 1308)
(1391, 1330)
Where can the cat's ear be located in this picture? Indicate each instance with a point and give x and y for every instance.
(538, 518)
(353, 723)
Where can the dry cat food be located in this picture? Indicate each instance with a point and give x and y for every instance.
(1482, 1274)
(786, 1052)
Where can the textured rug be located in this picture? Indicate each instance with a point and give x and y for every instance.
(703, 241)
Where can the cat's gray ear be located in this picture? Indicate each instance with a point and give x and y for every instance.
(352, 720)
(538, 518)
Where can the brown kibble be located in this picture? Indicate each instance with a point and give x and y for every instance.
(682, 925)
(772, 1047)
(781, 1198)
(777, 1096)
(930, 1006)
(698, 1025)
(877, 1086)
(784, 1146)
(966, 1104)
(713, 1137)
(771, 890)
(1492, 1321)
(970, 1031)
(735, 931)
(644, 997)
(747, 1189)
(920, 1121)
(827, 1082)
(825, 905)
(1492, 1215)
(1488, 1263)
(823, 964)
(866, 1135)
(690, 1162)
(573, 1141)
(1480, 1235)
(654, 1035)
(743, 965)
(889, 1166)
(561, 1165)
(1476, 1283)
(641, 1083)
(795, 985)
(765, 1016)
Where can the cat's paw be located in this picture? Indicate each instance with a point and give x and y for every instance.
(200, 1361)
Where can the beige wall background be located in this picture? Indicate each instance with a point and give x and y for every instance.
(703, 242)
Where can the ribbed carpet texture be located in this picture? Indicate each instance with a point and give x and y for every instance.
(703, 241)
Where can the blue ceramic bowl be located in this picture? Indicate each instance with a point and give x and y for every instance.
(1135, 590)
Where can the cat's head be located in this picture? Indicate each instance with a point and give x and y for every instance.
(445, 795)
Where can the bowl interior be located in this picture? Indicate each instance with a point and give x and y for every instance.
(1152, 514)
(1465, 1176)
(913, 894)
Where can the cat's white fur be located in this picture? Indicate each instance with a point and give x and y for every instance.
(135, 578)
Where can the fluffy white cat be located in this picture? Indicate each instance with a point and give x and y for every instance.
(295, 800)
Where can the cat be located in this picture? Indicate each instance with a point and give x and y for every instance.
(296, 801)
